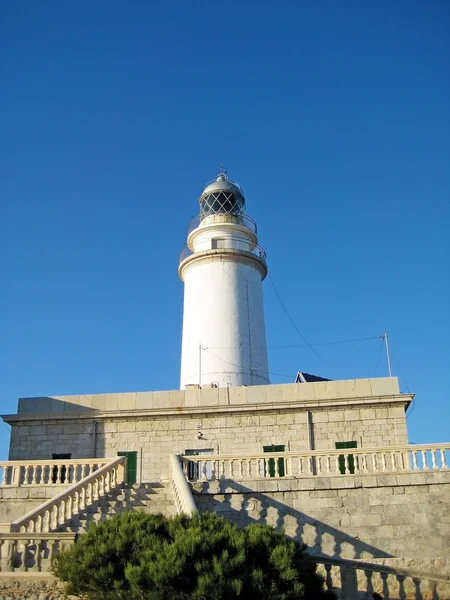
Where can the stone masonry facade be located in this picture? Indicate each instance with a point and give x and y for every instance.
(231, 421)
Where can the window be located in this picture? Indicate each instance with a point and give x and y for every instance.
(350, 457)
(269, 465)
(217, 243)
(61, 478)
(196, 470)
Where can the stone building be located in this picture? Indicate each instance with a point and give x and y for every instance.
(329, 461)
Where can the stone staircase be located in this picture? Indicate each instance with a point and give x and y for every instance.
(148, 497)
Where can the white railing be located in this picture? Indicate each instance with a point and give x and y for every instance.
(55, 512)
(326, 463)
(183, 498)
(31, 552)
(357, 579)
(47, 472)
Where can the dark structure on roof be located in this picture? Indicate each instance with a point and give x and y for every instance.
(308, 378)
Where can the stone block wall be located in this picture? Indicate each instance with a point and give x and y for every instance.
(15, 502)
(383, 516)
(229, 430)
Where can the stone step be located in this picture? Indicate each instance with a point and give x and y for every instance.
(148, 497)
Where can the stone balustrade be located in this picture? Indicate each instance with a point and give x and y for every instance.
(56, 511)
(350, 579)
(324, 463)
(47, 472)
(355, 580)
(33, 553)
(182, 494)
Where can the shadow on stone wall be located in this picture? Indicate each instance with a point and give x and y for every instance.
(258, 507)
(49, 405)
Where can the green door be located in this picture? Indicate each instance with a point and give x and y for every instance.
(271, 462)
(131, 475)
(350, 457)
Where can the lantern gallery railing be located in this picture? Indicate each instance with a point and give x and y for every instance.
(326, 463)
(48, 472)
(228, 243)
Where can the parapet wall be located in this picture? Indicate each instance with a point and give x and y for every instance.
(403, 515)
(209, 397)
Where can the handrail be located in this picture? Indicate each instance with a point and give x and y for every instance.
(47, 471)
(228, 243)
(184, 500)
(310, 463)
(64, 505)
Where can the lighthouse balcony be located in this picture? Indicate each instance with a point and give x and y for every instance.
(220, 219)
(218, 245)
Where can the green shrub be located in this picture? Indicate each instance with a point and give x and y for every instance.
(137, 556)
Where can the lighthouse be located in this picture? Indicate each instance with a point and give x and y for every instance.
(223, 267)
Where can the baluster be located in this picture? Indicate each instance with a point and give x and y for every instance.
(384, 578)
(37, 555)
(24, 565)
(364, 463)
(46, 523)
(288, 466)
(2, 551)
(231, 469)
(369, 585)
(393, 462)
(383, 461)
(416, 582)
(204, 471)
(433, 459)
(310, 465)
(414, 457)
(424, 460)
(401, 586)
(328, 578)
(11, 555)
(443, 461)
(337, 470)
(51, 550)
(38, 524)
(34, 476)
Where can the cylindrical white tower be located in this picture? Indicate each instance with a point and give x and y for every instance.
(222, 266)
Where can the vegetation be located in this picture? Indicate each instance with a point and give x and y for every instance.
(137, 556)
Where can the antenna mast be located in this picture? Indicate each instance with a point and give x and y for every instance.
(388, 356)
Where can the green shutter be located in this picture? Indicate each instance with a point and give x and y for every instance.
(350, 457)
(131, 466)
(271, 462)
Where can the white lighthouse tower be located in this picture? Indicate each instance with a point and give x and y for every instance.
(222, 266)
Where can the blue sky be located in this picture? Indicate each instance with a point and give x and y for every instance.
(332, 115)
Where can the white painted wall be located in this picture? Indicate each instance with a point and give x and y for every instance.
(224, 313)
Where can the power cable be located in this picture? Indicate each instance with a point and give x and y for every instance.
(291, 320)
(379, 355)
(375, 337)
(413, 403)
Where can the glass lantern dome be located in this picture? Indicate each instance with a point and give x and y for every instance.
(222, 197)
